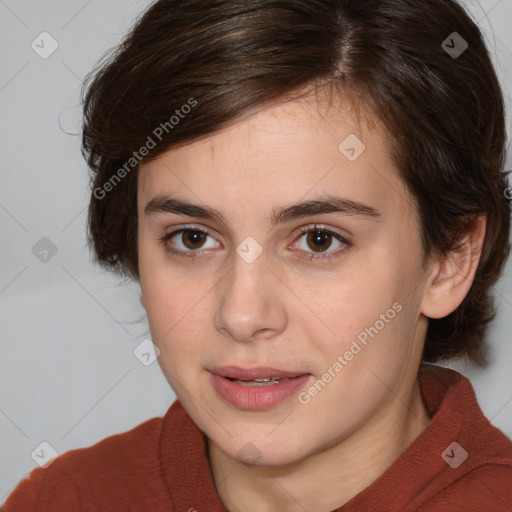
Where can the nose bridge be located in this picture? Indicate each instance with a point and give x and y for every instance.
(249, 303)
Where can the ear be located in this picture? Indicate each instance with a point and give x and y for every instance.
(451, 278)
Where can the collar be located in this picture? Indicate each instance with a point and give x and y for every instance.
(449, 399)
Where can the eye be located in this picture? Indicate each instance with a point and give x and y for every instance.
(317, 241)
(321, 243)
(187, 241)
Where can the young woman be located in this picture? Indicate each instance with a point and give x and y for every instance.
(311, 195)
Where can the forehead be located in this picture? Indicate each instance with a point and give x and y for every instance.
(289, 151)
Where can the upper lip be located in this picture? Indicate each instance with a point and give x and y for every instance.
(259, 372)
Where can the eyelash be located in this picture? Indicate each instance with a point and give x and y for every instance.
(312, 256)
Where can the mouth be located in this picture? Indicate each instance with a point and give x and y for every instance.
(270, 381)
(259, 373)
(256, 388)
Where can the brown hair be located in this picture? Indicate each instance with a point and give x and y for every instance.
(225, 58)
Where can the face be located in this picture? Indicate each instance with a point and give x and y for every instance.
(283, 249)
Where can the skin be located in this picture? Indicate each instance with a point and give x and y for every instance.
(289, 311)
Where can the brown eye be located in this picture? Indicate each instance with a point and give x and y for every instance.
(193, 239)
(188, 242)
(319, 241)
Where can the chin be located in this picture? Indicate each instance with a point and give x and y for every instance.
(257, 451)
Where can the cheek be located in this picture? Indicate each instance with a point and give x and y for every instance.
(366, 316)
(162, 297)
(169, 306)
(177, 308)
(352, 300)
(163, 293)
(173, 331)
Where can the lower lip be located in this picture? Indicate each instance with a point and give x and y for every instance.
(256, 398)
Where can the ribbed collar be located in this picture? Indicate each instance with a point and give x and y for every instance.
(419, 473)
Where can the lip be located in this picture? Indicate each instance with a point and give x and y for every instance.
(256, 398)
(259, 372)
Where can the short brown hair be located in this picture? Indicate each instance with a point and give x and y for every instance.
(444, 113)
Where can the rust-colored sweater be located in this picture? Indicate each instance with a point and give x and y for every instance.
(162, 465)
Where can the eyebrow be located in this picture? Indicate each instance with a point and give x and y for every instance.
(329, 204)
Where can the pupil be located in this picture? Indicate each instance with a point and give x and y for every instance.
(193, 239)
(321, 240)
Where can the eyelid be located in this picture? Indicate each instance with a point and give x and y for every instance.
(320, 227)
(191, 227)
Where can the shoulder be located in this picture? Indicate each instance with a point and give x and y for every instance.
(487, 487)
(478, 471)
(467, 461)
(88, 478)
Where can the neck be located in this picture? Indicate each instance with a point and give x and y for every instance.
(326, 480)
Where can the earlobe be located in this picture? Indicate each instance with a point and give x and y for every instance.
(451, 278)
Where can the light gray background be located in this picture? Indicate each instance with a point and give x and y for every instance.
(68, 375)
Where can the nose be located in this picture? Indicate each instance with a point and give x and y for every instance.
(251, 302)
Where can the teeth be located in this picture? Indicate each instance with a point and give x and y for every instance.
(260, 382)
